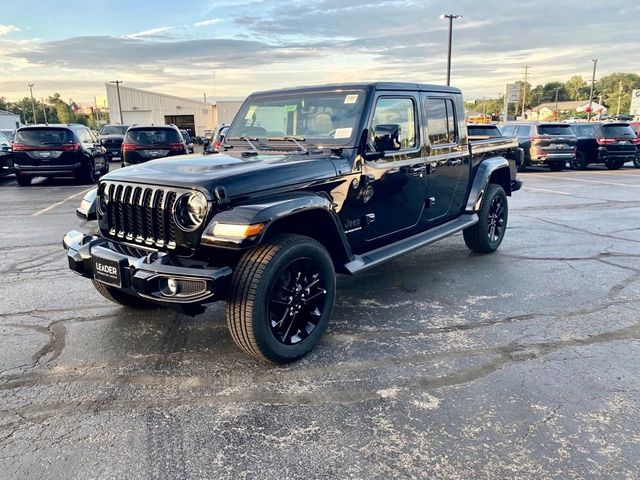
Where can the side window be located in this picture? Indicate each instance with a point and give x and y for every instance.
(85, 136)
(441, 122)
(390, 112)
(509, 131)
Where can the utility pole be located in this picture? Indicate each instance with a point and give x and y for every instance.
(524, 87)
(484, 106)
(33, 105)
(214, 87)
(44, 111)
(118, 82)
(593, 82)
(619, 97)
(205, 97)
(451, 17)
(556, 110)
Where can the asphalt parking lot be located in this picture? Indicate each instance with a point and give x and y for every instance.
(441, 364)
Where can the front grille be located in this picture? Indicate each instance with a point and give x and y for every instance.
(140, 214)
(112, 143)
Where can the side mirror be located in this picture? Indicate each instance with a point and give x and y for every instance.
(386, 137)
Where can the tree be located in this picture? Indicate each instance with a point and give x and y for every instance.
(575, 87)
(609, 87)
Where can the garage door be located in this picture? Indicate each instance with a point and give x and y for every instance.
(136, 117)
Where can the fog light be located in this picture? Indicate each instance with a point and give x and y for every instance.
(173, 286)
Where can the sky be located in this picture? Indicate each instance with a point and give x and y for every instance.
(179, 47)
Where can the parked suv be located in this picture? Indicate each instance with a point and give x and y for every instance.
(69, 150)
(6, 165)
(610, 143)
(312, 181)
(111, 137)
(549, 144)
(187, 140)
(143, 143)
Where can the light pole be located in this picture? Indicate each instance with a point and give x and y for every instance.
(557, 102)
(44, 111)
(118, 82)
(451, 17)
(205, 97)
(619, 97)
(593, 82)
(33, 105)
(524, 89)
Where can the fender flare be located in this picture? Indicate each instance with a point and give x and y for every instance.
(481, 180)
(269, 211)
(87, 208)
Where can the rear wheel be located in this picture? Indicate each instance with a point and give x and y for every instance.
(118, 296)
(556, 166)
(579, 162)
(282, 298)
(636, 162)
(486, 235)
(24, 180)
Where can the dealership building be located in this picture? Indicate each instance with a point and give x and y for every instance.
(143, 107)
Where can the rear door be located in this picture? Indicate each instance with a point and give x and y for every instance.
(447, 157)
(555, 139)
(618, 139)
(45, 146)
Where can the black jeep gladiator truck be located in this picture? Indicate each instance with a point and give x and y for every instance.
(311, 181)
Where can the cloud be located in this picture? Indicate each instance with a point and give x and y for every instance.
(206, 23)
(152, 32)
(4, 29)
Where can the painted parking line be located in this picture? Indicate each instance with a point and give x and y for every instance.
(591, 181)
(54, 205)
(545, 190)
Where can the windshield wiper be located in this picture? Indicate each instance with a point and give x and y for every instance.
(245, 139)
(290, 138)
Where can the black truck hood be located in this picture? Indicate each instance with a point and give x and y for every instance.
(239, 175)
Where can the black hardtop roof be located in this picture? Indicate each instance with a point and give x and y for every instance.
(134, 127)
(543, 124)
(392, 86)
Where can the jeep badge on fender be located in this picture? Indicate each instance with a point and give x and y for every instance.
(310, 181)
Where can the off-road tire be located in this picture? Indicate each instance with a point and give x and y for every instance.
(247, 309)
(636, 161)
(24, 180)
(477, 237)
(118, 296)
(579, 162)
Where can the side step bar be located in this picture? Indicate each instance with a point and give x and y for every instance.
(382, 254)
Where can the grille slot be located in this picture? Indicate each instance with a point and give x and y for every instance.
(141, 214)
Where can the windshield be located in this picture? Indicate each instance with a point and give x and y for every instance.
(44, 136)
(617, 131)
(555, 130)
(152, 136)
(113, 130)
(328, 117)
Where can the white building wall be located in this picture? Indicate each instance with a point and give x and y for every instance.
(8, 120)
(141, 106)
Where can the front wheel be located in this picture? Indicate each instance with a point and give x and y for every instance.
(282, 298)
(614, 165)
(486, 235)
(87, 173)
(636, 162)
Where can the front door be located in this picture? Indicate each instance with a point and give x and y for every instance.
(393, 198)
(447, 160)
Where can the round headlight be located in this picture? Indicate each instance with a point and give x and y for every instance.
(191, 210)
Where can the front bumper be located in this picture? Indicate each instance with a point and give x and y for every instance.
(146, 275)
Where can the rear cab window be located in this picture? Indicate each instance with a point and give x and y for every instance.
(484, 131)
(563, 130)
(41, 137)
(152, 136)
(618, 131)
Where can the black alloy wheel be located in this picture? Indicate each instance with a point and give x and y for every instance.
(282, 296)
(497, 218)
(298, 299)
(486, 235)
(636, 161)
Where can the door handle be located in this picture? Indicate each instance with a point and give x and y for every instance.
(415, 170)
(453, 163)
